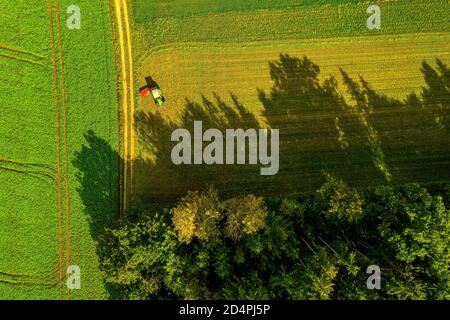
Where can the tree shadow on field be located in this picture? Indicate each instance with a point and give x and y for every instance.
(365, 138)
(319, 131)
(97, 167)
(159, 181)
(411, 136)
(436, 96)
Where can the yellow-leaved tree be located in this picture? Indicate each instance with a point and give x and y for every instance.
(198, 215)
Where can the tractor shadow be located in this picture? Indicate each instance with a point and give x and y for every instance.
(151, 82)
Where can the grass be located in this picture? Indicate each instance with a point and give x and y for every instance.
(212, 57)
(92, 106)
(181, 8)
(30, 217)
(28, 235)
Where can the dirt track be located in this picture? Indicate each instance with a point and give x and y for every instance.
(127, 81)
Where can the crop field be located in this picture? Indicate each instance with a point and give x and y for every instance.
(211, 58)
(370, 106)
(58, 147)
(219, 69)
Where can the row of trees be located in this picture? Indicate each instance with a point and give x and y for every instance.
(315, 246)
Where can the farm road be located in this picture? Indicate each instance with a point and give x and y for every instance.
(127, 81)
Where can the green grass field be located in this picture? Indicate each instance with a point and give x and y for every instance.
(29, 215)
(210, 57)
(29, 232)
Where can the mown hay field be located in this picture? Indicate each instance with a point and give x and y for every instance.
(76, 115)
(211, 58)
(391, 64)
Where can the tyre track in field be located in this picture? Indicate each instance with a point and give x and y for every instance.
(66, 150)
(35, 174)
(131, 86)
(118, 99)
(28, 164)
(34, 169)
(39, 56)
(60, 101)
(126, 59)
(24, 279)
(58, 138)
(21, 59)
(22, 55)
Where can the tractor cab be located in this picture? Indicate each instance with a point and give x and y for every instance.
(157, 96)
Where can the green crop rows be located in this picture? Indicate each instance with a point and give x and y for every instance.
(237, 21)
(29, 242)
(28, 232)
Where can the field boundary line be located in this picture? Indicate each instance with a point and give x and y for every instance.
(58, 138)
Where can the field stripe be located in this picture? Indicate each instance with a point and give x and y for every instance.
(124, 99)
(58, 156)
(66, 153)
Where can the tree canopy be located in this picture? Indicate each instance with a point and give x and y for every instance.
(317, 246)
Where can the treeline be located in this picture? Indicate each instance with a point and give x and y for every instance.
(314, 246)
